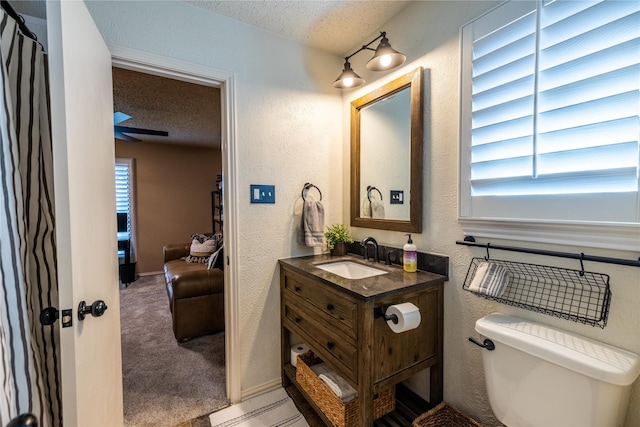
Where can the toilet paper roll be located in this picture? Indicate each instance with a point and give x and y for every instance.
(297, 350)
(408, 317)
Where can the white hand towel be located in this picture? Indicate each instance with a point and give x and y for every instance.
(311, 224)
(377, 209)
(339, 386)
(335, 382)
(490, 279)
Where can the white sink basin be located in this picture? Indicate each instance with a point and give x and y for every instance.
(350, 270)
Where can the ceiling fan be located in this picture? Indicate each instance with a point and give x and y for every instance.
(121, 132)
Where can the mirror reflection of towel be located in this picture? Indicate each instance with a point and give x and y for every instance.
(311, 224)
(366, 209)
(377, 209)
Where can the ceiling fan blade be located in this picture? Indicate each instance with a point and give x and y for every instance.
(119, 117)
(140, 131)
(122, 136)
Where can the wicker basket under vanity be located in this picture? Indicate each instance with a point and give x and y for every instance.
(444, 415)
(340, 414)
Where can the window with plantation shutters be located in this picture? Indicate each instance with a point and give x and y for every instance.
(550, 118)
(124, 196)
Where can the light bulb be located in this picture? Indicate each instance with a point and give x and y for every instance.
(348, 81)
(385, 60)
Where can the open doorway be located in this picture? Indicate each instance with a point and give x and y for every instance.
(172, 144)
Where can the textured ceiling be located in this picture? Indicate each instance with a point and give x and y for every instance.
(189, 112)
(332, 26)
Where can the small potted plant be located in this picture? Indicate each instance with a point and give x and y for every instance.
(338, 236)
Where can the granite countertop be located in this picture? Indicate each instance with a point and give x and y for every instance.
(395, 281)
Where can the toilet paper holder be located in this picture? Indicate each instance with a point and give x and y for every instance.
(380, 312)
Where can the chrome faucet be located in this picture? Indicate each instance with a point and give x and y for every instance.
(365, 244)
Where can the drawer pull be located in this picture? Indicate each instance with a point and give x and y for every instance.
(330, 307)
(296, 288)
(329, 345)
(297, 319)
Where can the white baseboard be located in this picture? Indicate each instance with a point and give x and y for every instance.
(261, 389)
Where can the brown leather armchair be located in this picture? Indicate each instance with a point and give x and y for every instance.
(196, 294)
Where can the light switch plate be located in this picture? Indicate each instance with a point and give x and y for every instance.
(262, 193)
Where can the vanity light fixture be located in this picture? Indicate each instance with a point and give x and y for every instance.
(385, 58)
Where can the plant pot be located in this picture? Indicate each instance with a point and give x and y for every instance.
(339, 249)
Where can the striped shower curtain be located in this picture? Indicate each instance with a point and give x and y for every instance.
(29, 352)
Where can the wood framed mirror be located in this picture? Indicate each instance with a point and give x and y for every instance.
(386, 156)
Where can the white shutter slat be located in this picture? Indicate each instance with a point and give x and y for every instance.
(503, 168)
(504, 93)
(512, 53)
(600, 39)
(600, 110)
(608, 157)
(502, 150)
(617, 82)
(507, 130)
(593, 135)
(561, 21)
(502, 113)
(617, 58)
(605, 181)
(490, 34)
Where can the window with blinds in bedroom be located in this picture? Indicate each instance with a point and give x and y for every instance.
(124, 199)
(550, 123)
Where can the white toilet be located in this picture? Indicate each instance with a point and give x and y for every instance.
(540, 376)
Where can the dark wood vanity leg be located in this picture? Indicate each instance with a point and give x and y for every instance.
(436, 392)
(365, 363)
(284, 336)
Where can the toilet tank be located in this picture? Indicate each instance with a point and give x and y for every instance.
(541, 376)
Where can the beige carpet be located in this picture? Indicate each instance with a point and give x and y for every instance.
(165, 383)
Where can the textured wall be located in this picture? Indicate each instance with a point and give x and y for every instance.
(173, 195)
(427, 32)
(291, 129)
(288, 123)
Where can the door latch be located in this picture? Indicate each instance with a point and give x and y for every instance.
(49, 315)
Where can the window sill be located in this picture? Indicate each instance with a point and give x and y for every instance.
(616, 236)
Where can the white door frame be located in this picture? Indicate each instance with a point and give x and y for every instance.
(136, 60)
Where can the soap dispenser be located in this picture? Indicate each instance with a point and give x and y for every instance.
(409, 256)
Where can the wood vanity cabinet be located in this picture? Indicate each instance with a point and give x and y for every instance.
(335, 317)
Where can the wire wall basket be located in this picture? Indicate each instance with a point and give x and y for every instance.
(575, 295)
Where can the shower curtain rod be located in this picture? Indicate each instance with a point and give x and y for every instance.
(471, 241)
(19, 19)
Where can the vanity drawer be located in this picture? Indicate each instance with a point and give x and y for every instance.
(331, 347)
(343, 310)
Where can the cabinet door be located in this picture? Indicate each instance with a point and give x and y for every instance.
(394, 352)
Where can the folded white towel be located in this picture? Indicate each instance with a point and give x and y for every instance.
(335, 382)
(311, 224)
(377, 209)
(490, 279)
(339, 386)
